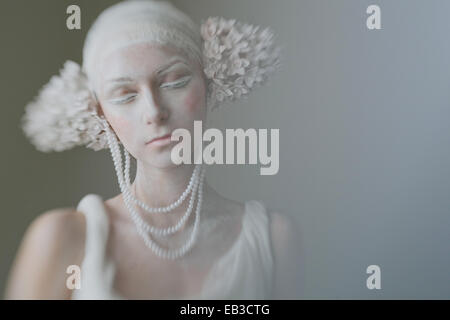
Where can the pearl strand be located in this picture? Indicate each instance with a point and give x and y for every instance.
(176, 253)
(168, 208)
(164, 253)
(179, 224)
(114, 146)
(159, 251)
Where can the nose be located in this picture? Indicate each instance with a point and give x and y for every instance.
(154, 110)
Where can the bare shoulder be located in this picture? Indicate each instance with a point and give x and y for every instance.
(59, 229)
(288, 253)
(65, 224)
(284, 229)
(53, 241)
(222, 205)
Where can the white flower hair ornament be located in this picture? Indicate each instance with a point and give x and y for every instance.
(61, 116)
(236, 58)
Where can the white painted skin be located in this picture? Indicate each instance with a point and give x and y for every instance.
(145, 104)
(154, 107)
(151, 106)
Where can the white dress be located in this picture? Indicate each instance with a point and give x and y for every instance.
(244, 272)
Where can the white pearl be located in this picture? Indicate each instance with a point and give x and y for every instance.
(140, 224)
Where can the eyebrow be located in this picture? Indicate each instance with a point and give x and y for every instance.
(118, 82)
(171, 63)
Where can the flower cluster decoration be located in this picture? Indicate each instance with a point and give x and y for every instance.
(237, 57)
(61, 116)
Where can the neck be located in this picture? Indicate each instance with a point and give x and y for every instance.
(161, 187)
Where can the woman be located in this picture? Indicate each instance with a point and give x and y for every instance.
(148, 70)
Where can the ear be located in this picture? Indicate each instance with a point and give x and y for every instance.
(237, 58)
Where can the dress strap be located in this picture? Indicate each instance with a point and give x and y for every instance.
(246, 271)
(97, 273)
(259, 239)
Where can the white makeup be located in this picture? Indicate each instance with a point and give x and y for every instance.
(170, 85)
(123, 87)
(147, 90)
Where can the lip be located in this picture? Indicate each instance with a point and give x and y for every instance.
(160, 140)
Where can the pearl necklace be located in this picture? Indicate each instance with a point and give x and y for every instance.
(169, 230)
(142, 227)
(170, 207)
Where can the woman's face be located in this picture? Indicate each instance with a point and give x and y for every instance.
(146, 91)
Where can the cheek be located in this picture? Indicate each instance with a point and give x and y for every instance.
(120, 125)
(194, 99)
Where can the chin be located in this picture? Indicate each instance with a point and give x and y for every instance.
(160, 159)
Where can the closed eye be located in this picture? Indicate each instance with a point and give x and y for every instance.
(171, 85)
(124, 99)
(176, 84)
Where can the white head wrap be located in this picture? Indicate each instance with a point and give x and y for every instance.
(131, 22)
(235, 58)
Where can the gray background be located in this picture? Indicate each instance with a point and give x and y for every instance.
(364, 136)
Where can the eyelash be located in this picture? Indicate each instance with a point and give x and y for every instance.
(169, 85)
(176, 84)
